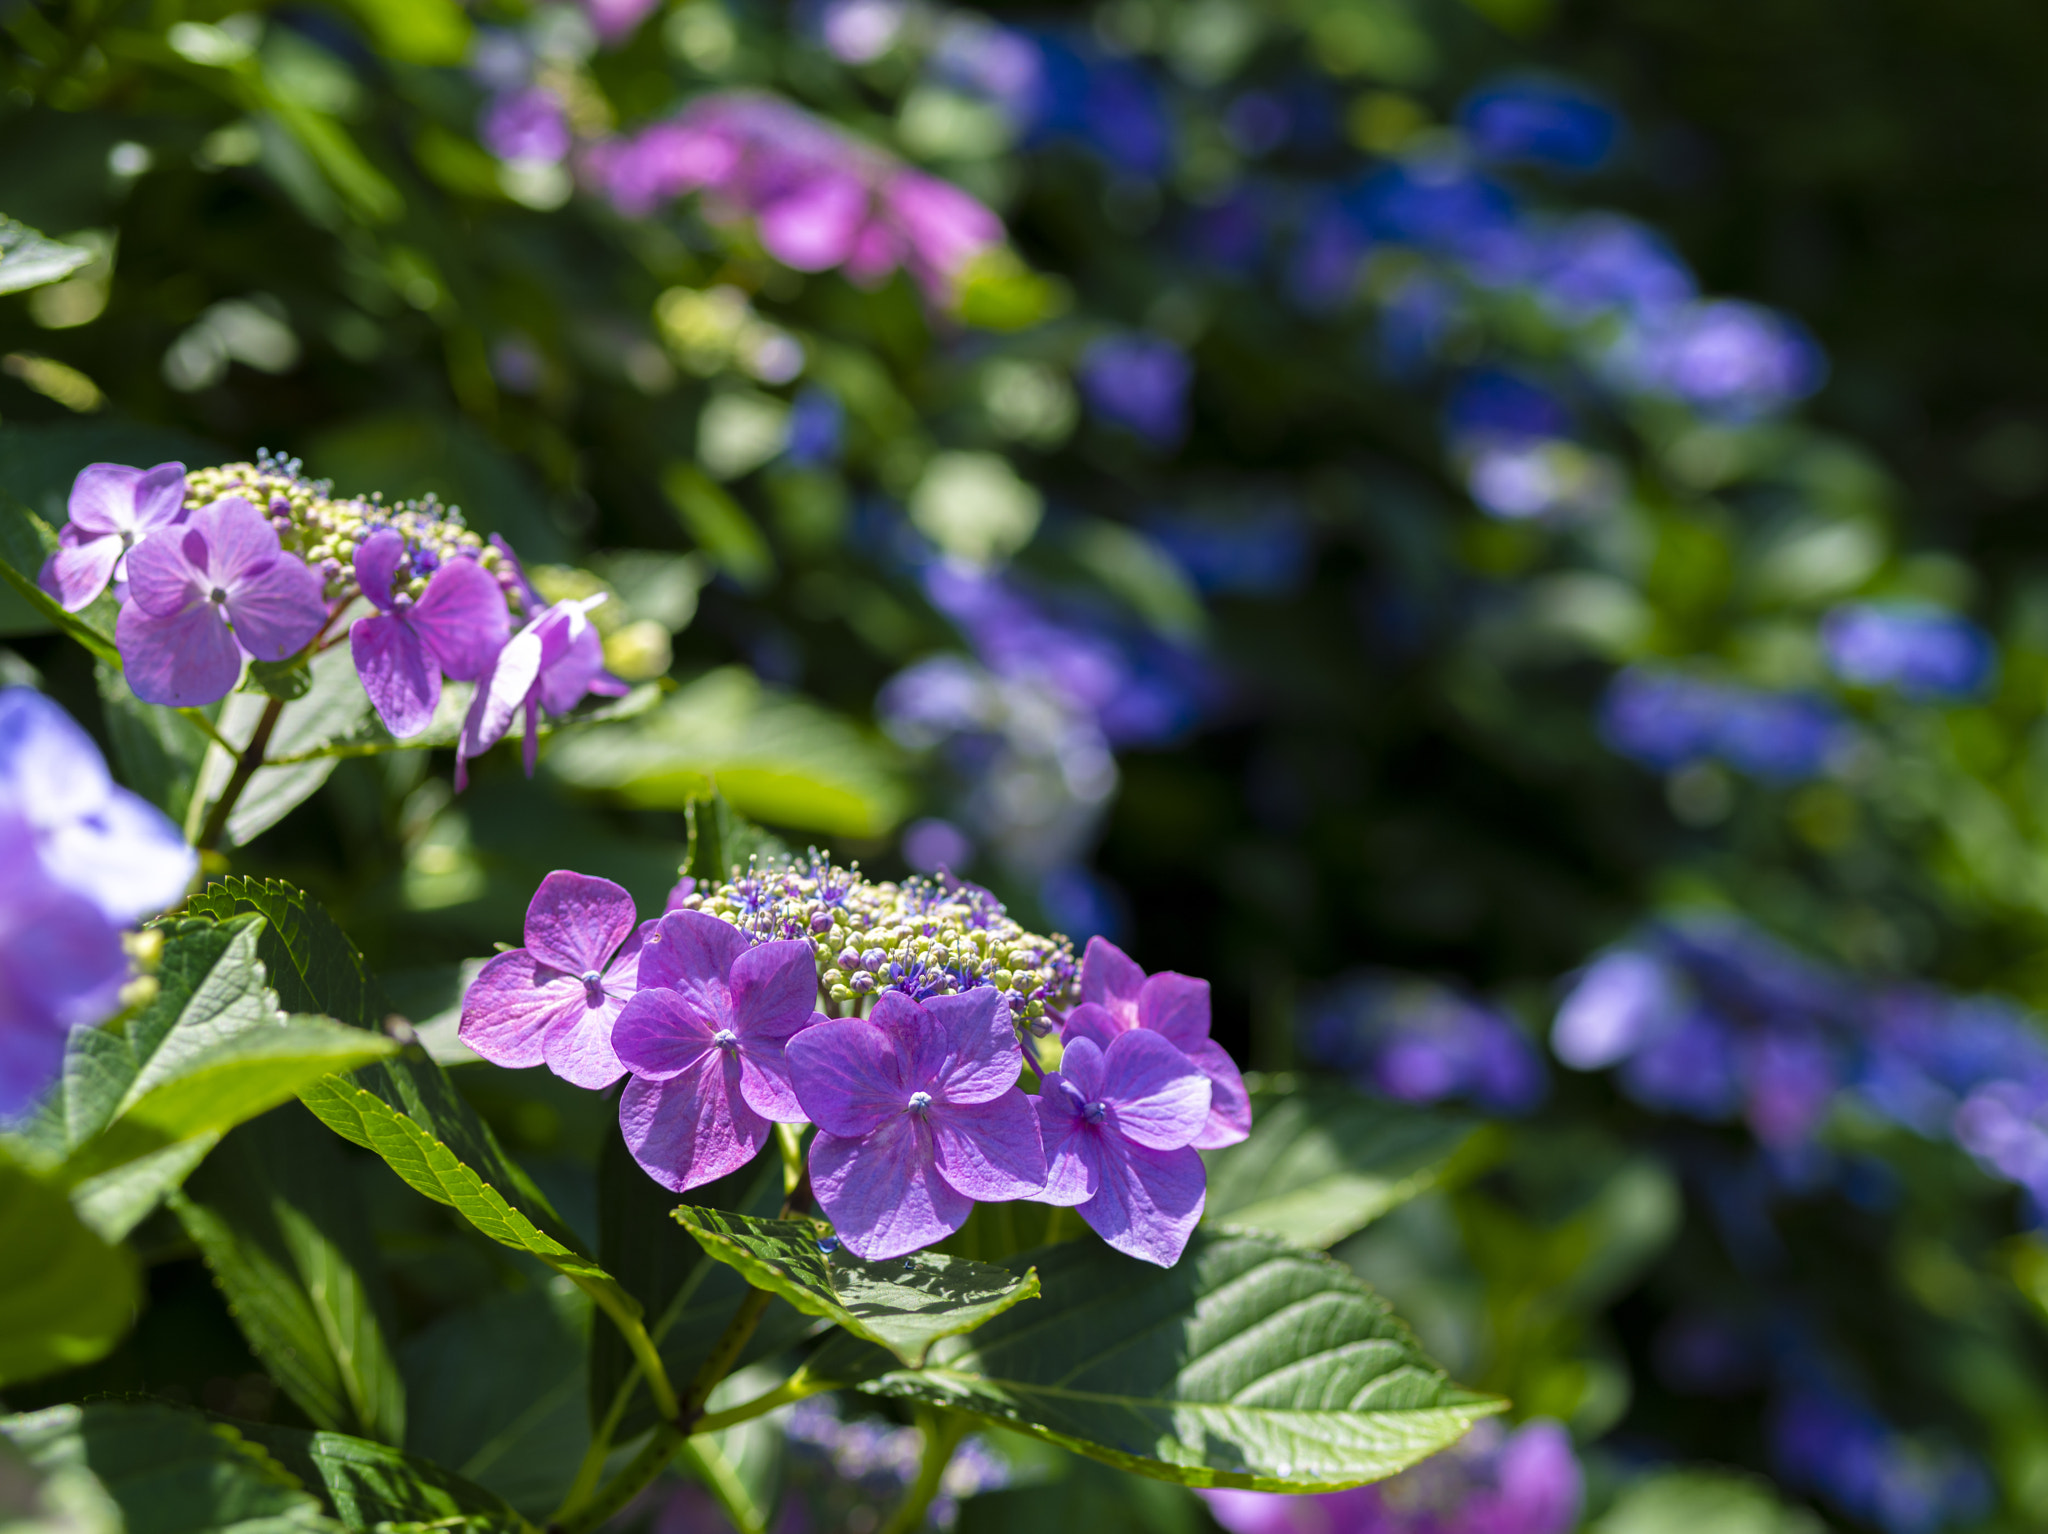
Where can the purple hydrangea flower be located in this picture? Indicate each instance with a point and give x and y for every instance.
(1923, 651)
(528, 126)
(1141, 384)
(457, 626)
(1419, 1042)
(1116, 996)
(552, 663)
(704, 1039)
(203, 595)
(97, 840)
(555, 1001)
(617, 20)
(1117, 1125)
(1540, 122)
(1729, 359)
(919, 1115)
(112, 507)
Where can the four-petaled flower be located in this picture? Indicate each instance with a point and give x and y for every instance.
(202, 595)
(704, 1040)
(457, 626)
(1118, 1126)
(551, 664)
(1117, 996)
(112, 507)
(919, 1115)
(554, 1001)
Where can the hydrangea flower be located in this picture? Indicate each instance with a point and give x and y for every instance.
(1118, 1126)
(704, 1039)
(552, 663)
(112, 507)
(1923, 651)
(919, 1115)
(203, 595)
(1116, 996)
(555, 1001)
(1540, 122)
(61, 966)
(456, 626)
(1139, 383)
(91, 836)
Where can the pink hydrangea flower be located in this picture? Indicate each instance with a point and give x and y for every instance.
(554, 1002)
(1117, 1125)
(704, 1039)
(112, 507)
(203, 595)
(1116, 996)
(552, 663)
(457, 627)
(919, 1115)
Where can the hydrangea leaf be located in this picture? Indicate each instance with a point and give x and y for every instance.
(156, 751)
(312, 965)
(169, 1469)
(115, 1202)
(687, 1297)
(29, 259)
(280, 1222)
(366, 1484)
(66, 1294)
(720, 839)
(1249, 1363)
(1324, 1162)
(905, 1306)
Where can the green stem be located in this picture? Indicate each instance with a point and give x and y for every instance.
(796, 1388)
(642, 1347)
(245, 768)
(197, 719)
(716, 1471)
(943, 1431)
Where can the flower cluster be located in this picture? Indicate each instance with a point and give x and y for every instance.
(1666, 719)
(1494, 1482)
(84, 859)
(902, 1021)
(253, 561)
(1419, 1042)
(1924, 652)
(819, 198)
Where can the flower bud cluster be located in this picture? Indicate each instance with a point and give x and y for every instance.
(924, 937)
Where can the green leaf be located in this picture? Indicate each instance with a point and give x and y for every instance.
(686, 1297)
(1324, 1161)
(1248, 1363)
(67, 1499)
(719, 523)
(366, 1484)
(905, 1306)
(170, 1471)
(280, 1223)
(157, 751)
(29, 259)
(774, 756)
(417, 31)
(287, 679)
(310, 961)
(721, 840)
(115, 1202)
(66, 1294)
(1701, 1501)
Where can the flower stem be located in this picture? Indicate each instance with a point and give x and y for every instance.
(724, 1483)
(943, 1431)
(245, 768)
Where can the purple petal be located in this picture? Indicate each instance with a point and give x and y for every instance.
(814, 226)
(463, 618)
(1081, 1063)
(184, 661)
(574, 671)
(31, 1056)
(103, 498)
(622, 975)
(881, 1192)
(575, 922)
(511, 1005)
(241, 545)
(377, 560)
(1175, 1006)
(692, 1129)
(1157, 1096)
(78, 572)
(160, 496)
(403, 685)
(578, 1044)
(660, 1035)
(990, 1151)
(1072, 1147)
(774, 989)
(162, 578)
(847, 1073)
(1149, 1201)
(983, 1059)
(1089, 1021)
(126, 857)
(689, 948)
(1110, 976)
(1230, 1106)
(277, 613)
(500, 692)
(764, 1077)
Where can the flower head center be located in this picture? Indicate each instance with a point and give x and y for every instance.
(218, 596)
(593, 986)
(920, 1102)
(1092, 1112)
(725, 1038)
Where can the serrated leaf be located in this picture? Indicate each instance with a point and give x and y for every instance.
(311, 964)
(366, 1484)
(281, 1225)
(29, 259)
(1323, 1161)
(904, 1305)
(170, 1471)
(66, 1294)
(685, 1296)
(1248, 1363)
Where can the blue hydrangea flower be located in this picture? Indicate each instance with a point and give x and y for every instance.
(1922, 651)
(1139, 383)
(1540, 122)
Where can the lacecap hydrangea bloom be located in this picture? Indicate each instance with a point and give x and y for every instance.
(902, 1020)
